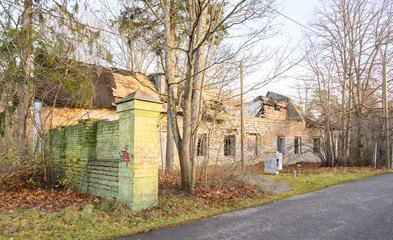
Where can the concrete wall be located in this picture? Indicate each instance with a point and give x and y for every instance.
(86, 163)
(104, 167)
(115, 159)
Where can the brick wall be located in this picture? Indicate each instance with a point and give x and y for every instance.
(103, 169)
(87, 156)
(114, 159)
(264, 132)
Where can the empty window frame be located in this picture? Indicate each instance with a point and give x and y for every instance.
(280, 144)
(202, 145)
(252, 141)
(230, 145)
(297, 145)
(316, 144)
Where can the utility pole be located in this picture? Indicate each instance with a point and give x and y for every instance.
(386, 110)
(242, 115)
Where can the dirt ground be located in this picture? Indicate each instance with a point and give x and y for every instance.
(19, 190)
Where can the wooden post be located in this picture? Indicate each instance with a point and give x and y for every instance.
(242, 115)
(391, 157)
(375, 156)
(386, 111)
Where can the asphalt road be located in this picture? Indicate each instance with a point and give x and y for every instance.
(361, 209)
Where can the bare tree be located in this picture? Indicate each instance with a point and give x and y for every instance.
(343, 45)
(201, 24)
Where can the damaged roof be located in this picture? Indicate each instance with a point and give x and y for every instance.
(109, 85)
(256, 107)
(314, 123)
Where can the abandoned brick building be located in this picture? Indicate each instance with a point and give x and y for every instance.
(272, 122)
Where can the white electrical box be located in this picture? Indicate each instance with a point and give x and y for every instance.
(273, 162)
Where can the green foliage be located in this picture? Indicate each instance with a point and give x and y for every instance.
(75, 8)
(2, 122)
(27, 166)
(10, 159)
(60, 75)
(213, 14)
(137, 24)
(53, 45)
(72, 170)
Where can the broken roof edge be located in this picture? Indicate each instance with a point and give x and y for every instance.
(311, 122)
(289, 100)
(138, 95)
(296, 109)
(277, 96)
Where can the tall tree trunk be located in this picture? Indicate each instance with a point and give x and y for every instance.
(25, 98)
(182, 142)
(170, 78)
(359, 118)
(386, 111)
(185, 166)
(170, 147)
(344, 114)
(343, 139)
(330, 155)
(350, 116)
(186, 142)
(197, 91)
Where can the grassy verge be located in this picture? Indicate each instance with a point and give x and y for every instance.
(110, 219)
(309, 182)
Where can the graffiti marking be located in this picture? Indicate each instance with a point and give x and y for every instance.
(144, 153)
(125, 157)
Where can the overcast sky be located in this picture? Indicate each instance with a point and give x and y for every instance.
(301, 12)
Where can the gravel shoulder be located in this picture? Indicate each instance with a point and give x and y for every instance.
(265, 184)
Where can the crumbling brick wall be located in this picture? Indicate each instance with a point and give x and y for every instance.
(265, 131)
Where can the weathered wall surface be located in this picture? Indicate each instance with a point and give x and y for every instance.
(104, 167)
(273, 113)
(113, 158)
(276, 121)
(142, 142)
(265, 131)
(87, 156)
(107, 140)
(64, 116)
(262, 130)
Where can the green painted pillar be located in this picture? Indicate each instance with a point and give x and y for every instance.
(138, 143)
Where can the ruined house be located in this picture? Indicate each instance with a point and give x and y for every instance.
(272, 122)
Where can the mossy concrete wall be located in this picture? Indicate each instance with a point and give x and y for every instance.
(87, 157)
(114, 159)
